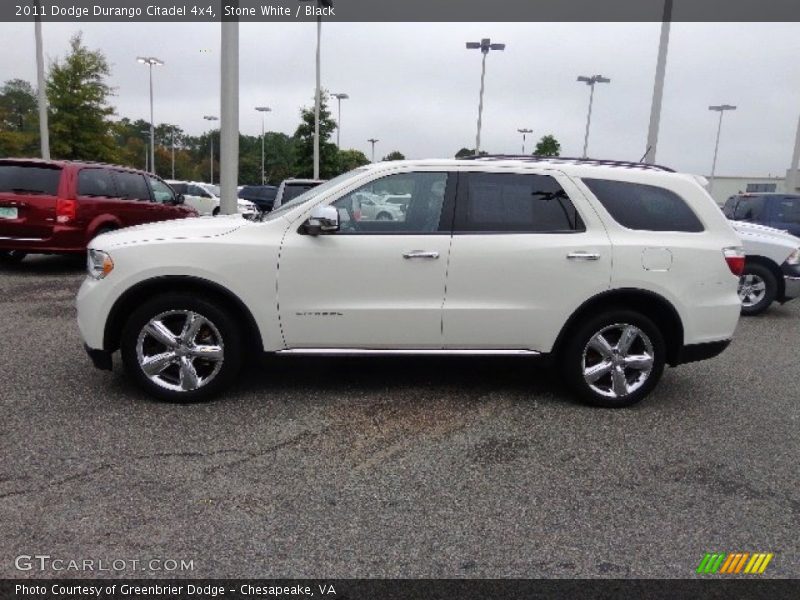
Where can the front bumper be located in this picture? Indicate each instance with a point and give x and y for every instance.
(791, 281)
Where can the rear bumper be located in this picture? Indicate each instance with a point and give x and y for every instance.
(100, 358)
(697, 352)
(62, 240)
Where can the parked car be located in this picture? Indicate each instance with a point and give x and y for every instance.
(55, 207)
(781, 211)
(610, 270)
(290, 189)
(372, 207)
(772, 267)
(204, 197)
(263, 196)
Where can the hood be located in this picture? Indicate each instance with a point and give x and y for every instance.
(180, 229)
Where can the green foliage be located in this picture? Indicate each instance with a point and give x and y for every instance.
(351, 159)
(79, 112)
(18, 106)
(394, 155)
(547, 146)
(304, 136)
(467, 152)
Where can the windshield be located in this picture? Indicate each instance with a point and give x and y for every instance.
(313, 192)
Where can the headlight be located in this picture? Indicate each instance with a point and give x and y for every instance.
(794, 258)
(99, 264)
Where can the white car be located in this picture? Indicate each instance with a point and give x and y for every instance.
(372, 207)
(772, 268)
(204, 198)
(612, 270)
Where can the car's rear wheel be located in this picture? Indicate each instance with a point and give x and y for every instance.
(384, 216)
(758, 289)
(180, 348)
(12, 256)
(215, 212)
(615, 359)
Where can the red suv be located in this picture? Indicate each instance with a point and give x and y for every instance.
(54, 207)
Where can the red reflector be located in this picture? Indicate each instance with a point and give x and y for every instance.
(735, 259)
(66, 210)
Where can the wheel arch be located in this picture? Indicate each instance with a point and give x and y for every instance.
(773, 267)
(149, 288)
(652, 305)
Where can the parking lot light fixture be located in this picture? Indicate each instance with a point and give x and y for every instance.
(720, 108)
(373, 141)
(211, 138)
(262, 110)
(151, 61)
(524, 133)
(590, 81)
(339, 97)
(485, 45)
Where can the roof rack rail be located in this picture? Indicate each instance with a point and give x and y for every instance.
(568, 159)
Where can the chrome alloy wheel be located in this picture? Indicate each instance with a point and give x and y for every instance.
(180, 350)
(752, 289)
(618, 360)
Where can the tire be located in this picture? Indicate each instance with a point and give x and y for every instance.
(215, 212)
(758, 289)
(211, 370)
(12, 257)
(384, 216)
(583, 351)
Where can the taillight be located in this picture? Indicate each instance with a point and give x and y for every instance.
(734, 256)
(66, 210)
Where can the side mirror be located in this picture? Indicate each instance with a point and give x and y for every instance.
(323, 219)
(179, 199)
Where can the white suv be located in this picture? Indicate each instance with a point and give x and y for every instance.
(612, 270)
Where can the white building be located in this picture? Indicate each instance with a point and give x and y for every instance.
(727, 186)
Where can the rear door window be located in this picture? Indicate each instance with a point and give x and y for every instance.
(514, 203)
(95, 182)
(750, 208)
(644, 207)
(131, 186)
(29, 179)
(787, 210)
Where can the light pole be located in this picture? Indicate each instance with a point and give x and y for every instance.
(373, 141)
(173, 154)
(792, 182)
(211, 138)
(262, 110)
(484, 46)
(44, 130)
(658, 86)
(524, 133)
(146, 133)
(721, 108)
(590, 81)
(339, 97)
(318, 93)
(151, 61)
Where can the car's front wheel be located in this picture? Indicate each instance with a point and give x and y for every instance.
(758, 289)
(180, 348)
(615, 359)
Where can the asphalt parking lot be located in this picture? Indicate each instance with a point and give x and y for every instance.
(391, 467)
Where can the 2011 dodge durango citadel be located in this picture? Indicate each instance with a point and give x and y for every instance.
(611, 270)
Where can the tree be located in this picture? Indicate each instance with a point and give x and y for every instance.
(547, 146)
(328, 153)
(18, 106)
(396, 155)
(351, 159)
(467, 152)
(77, 91)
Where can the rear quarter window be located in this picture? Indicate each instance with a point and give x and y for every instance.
(31, 179)
(644, 207)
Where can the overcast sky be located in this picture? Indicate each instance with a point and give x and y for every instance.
(415, 87)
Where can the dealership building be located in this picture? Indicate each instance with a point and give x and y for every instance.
(727, 186)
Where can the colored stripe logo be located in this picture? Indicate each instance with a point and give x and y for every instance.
(734, 563)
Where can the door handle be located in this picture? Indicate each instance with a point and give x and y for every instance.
(420, 254)
(583, 256)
